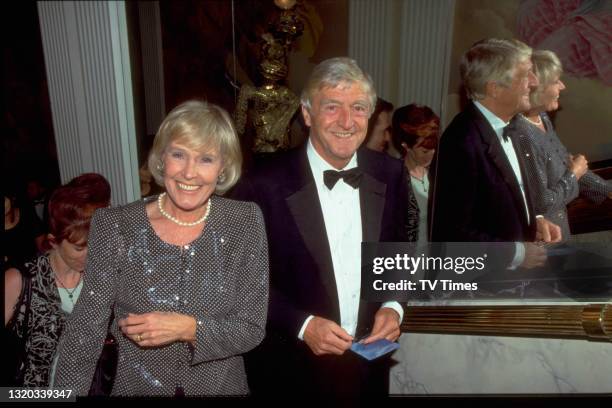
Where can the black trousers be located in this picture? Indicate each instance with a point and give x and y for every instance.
(291, 370)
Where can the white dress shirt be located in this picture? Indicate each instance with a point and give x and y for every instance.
(498, 126)
(342, 216)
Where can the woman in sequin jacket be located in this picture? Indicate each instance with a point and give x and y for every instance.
(557, 176)
(185, 273)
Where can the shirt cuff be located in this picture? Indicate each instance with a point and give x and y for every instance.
(519, 255)
(303, 329)
(397, 307)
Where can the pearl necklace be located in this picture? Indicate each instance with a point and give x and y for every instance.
(537, 123)
(176, 220)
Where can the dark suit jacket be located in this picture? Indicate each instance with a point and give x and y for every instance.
(301, 270)
(476, 197)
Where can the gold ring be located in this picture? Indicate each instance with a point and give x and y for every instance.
(138, 338)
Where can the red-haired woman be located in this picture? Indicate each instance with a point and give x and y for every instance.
(41, 294)
(415, 136)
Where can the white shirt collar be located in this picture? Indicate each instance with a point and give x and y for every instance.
(319, 165)
(496, 123)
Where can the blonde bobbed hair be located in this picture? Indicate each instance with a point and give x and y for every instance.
(201, 126)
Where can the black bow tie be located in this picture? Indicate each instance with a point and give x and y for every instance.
(351, 177)
(507, 132)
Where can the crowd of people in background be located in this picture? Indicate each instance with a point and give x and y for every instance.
(260, 292)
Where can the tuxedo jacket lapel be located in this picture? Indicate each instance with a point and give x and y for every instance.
(498, 156)
(372, 202)
(305, 208)
(526, 181)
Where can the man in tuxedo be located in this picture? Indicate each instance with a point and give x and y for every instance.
(320, 202)
(481, 193)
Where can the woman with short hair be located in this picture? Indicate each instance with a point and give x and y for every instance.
(416, 129)
(185, 272)
(558, 177)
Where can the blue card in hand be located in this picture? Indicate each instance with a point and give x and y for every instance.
(374, 350)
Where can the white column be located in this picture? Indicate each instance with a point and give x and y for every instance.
(371, 42)
(405, 46)
(88, 72)
(152, 64)
(425, 49)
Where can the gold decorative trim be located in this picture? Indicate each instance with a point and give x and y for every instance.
(590, 322)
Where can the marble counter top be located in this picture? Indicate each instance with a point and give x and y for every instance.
(463, 364)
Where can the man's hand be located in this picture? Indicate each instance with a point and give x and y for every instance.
(326, 337)
(386, 326)
(158, 328)
(535, 256)
(547, 231)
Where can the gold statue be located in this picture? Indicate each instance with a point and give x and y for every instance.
(271, 106)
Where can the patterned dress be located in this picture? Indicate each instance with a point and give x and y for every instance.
(553, 185)
(45, 324)
(414, 229)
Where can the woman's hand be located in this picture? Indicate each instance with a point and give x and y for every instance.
(158, 328)
(578, 165)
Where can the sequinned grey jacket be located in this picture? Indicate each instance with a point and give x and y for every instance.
(221, 279)
(553, 184)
